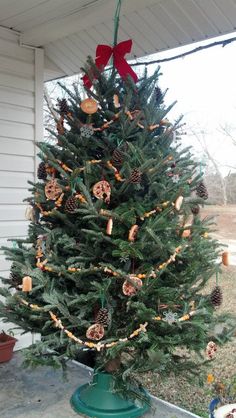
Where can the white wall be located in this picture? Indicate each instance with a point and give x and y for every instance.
(21, 124)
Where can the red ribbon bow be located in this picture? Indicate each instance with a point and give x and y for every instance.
(104, 53)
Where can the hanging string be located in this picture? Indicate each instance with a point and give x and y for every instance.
(116, 28)
(133, 266)
(217, 278)
(116, 22)
(14, 245)
(102, 298)
(73, 186)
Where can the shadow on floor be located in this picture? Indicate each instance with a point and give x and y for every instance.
(44, 393)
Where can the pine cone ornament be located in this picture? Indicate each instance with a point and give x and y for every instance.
(113, 365)
(71, 204)
(195, 209)
(42, 172)
(102, 317)
(159, 95)
(86, 131)
(60, 128)
(216, 296)
(201, 191)
(117, 157)
(135, 176)
(15, 279)
(63, 106)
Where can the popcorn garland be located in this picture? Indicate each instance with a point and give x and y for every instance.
(80, 169)
(171, 317)
(157, 209)
(98, 346)
(65, 167)
(58, 202)
(131, 116)
(42, 265)
(116, 172)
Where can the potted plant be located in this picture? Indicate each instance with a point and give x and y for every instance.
(226, 411)
(7, 343)
(223, 404)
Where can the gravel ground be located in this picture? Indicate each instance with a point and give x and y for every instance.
(189, 395)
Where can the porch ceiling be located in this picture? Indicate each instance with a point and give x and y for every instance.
(69, 30)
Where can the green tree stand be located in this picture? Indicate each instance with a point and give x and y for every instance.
(98, 400)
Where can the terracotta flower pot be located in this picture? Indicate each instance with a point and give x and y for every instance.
(7, 343)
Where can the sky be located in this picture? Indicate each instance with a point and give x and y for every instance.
(204, 85)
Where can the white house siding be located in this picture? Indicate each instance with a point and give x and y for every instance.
(21, 91)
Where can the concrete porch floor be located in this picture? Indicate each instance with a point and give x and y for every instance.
(43, 393)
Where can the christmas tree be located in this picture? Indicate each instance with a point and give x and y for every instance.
(117, 254)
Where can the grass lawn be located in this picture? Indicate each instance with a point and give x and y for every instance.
(190, 395)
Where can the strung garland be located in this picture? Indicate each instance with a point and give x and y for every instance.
(153, 274)
(116, 172)
(131, 116)
(98, 346)
(172, 317)
(89, 162)
(157, 209)
(42, 264)
(64, 166)
(58, 203)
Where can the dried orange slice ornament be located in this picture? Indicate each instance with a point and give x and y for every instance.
(95, 332)
(130, 289)
(52, 190)
(89, 106)
(102, 190)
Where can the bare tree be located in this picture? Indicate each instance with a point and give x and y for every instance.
(52, 91)
(229, 131)
(200, 136)
(51, 116)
